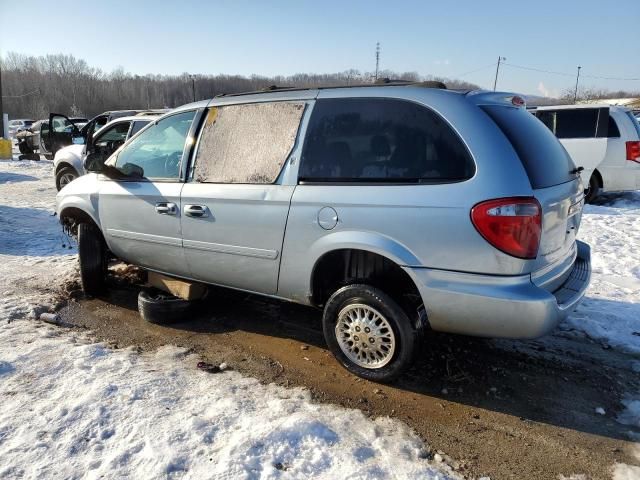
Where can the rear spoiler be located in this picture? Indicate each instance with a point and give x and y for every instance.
(485, 97)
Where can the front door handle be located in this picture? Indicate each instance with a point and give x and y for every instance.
(198, 211)
(166, 208)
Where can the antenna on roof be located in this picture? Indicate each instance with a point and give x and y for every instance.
(377, 59)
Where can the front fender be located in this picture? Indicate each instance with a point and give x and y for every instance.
(69, 155)
(80, 195)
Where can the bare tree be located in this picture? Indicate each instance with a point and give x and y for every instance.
(35, 86)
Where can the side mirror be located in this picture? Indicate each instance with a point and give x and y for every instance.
(94, 163)
(133, 171)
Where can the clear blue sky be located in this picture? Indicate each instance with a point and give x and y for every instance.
(285, 37)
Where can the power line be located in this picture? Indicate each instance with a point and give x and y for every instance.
(23, 95)
(565, 74)
(475, 70)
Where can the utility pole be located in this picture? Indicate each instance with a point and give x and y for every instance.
(575, 93)
(377, 58)
(1, 111)
(495, 82)
(193, 86)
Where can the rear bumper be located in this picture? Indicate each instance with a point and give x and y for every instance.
(495, 306)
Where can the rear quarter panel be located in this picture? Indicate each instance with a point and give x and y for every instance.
(414, 225)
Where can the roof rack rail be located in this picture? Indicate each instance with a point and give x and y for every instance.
(381, 82)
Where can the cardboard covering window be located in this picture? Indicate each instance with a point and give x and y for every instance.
(247, 143)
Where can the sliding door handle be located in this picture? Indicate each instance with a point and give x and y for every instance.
(166, 208)
(197, 211)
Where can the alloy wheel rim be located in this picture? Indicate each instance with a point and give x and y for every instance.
(365, 336)
(66, 179)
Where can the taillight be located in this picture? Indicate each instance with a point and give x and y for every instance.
(633, 151)
(512, 225)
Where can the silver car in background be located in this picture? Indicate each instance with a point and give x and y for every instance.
(394, 208)
(68, 163)
(19, 125)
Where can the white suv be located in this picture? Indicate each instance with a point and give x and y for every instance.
(603, 139)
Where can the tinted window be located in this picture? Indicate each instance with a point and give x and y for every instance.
(99, 123)
(137, 126)
(381, 140)
(545, 160)
(612, 129)
(247, 143)
(578, 123)
(157, 152)
(117, 133)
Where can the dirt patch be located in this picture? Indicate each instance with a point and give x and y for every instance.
(505, 409)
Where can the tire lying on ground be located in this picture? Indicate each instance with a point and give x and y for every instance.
(156, 306)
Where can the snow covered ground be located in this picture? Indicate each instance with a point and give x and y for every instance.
(71, 408)
(611, 311)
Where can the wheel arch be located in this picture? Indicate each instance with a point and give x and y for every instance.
(65, 164)
(72, 215)
(341, 266)
(596, 173)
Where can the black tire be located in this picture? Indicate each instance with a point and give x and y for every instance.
(63, 175)
(24, 148)
(161, 308)
(592, 192)
(92, 252)
(405, 334)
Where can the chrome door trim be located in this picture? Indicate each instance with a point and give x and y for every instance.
(231, 249)
(145, 237)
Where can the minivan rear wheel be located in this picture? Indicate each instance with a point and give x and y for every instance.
(369, 333)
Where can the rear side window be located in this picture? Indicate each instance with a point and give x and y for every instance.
(612, 129)
(545, 160)
(381, 140)
(247, 143)
(578, 123)
(137, 126)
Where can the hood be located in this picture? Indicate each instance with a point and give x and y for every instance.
(71, 150)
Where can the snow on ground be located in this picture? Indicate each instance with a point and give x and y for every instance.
(32, 258)
(611, 311)
(76, 409)
(72, 408)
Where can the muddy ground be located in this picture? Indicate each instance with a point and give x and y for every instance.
(504, 409)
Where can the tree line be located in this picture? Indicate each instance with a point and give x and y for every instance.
(33, 86)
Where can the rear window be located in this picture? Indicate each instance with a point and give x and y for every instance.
(635, 122)
(545, 160)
